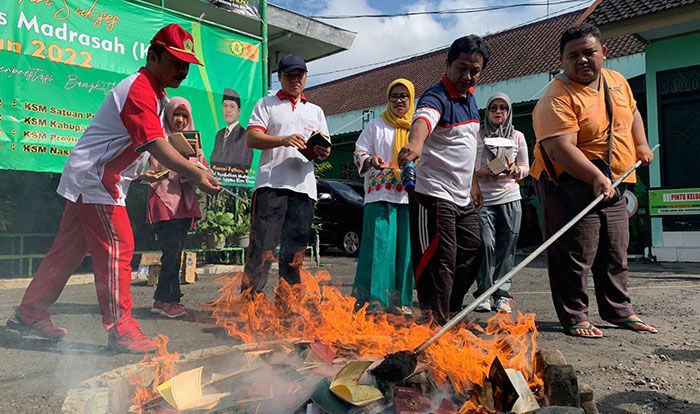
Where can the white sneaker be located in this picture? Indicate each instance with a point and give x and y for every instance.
(503, 305)
(484, 306)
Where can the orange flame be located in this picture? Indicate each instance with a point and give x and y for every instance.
(162, 363)
(315, 311)
(471, 408)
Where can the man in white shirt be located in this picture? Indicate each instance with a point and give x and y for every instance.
(446, 243)
(285, 188)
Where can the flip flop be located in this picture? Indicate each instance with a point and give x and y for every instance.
(630, 324)
(571, 330)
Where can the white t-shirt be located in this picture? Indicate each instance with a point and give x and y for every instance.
(107, 158)
(377, 139)
(286, 167)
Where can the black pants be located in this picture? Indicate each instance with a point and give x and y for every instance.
(446, 252)
(171, 236)
(597, 244)
(279, 217)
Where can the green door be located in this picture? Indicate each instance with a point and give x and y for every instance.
(679, 120)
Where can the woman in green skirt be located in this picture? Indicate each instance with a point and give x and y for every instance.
(384, 276)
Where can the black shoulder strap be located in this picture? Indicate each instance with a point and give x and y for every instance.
(609, 112)
(547, 163)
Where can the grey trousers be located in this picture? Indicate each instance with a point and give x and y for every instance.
(500, 225)
(597, 244)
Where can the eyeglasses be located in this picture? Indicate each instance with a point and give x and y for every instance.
(398, 97)
(496, 108)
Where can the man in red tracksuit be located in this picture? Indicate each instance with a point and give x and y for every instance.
(108, 157)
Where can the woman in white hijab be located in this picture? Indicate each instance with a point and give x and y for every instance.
(501, 162)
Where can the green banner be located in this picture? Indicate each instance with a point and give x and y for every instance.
(59, 58)
(674, 202)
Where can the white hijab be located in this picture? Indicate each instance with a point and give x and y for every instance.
(499, 139)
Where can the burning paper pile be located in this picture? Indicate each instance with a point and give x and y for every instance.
(316, 311)
(316, 330)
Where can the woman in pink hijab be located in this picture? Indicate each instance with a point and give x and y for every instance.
(172, 209)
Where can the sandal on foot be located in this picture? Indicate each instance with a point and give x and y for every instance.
(583, 326)
(632, 324)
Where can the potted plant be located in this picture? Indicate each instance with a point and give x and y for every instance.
(216, 226)
(241, 234)
(241, 219)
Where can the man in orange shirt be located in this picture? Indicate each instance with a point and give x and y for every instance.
(572, 123)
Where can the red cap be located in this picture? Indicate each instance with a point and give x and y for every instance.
(177, 41)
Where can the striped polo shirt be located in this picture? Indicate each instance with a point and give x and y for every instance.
(109, 155)
(446, 165)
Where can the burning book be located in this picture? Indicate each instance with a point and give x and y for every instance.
(184, 392)
(346, 385)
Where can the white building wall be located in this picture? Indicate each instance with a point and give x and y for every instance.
(524, 89)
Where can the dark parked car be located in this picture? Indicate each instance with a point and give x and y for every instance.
(358, 186)
(339, 216)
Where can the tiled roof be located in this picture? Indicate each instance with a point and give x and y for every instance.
(610, 11)
(512, 56)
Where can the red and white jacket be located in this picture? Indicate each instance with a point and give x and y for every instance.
(110, 154)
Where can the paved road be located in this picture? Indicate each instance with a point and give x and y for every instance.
(630, 373)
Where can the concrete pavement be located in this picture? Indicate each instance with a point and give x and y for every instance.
(629, 372)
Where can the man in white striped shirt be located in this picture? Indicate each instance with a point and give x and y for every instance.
(445, 237)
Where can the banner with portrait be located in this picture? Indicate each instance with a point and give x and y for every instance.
(61, 58)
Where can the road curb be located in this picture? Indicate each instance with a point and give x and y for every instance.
(22, 283)
(112, 391)
(88, 278)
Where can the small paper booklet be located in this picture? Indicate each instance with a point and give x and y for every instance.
(161, 175)
(183, 144)
(345, 385)
(316, 138)
(184, 392)
(497, 166)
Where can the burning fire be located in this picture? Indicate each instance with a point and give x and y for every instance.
(314, 310)
(162, 362)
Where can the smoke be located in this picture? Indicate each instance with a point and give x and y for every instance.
(273, 379)
(79, 356)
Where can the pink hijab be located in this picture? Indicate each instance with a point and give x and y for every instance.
(170, 108)
(172, 190)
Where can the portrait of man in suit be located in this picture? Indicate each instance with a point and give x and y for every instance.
(230, 145)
